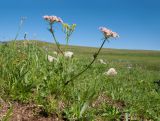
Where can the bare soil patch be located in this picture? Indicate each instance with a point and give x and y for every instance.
(25, 112)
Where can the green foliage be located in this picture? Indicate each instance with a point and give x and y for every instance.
(68, 30)
(26, 75)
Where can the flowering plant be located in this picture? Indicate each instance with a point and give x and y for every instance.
(68, 30)
(107, 35)
(51, 20)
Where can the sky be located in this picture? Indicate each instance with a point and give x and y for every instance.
(136, 21)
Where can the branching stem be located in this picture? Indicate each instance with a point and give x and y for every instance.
(89, 65)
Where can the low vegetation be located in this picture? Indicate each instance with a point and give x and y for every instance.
(28, 78)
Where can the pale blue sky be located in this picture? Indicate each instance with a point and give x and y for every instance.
(136, 21)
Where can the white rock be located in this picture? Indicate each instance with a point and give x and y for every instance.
(101, 61)
(111, 72)
(68, 54)
(51, 58)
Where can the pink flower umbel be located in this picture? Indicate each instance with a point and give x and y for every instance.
(108, 33)
(52, 19)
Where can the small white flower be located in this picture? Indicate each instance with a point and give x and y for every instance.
(111, 72)
(68, 54)
(51, 58)
(101, 61)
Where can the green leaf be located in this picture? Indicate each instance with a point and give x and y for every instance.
(83, 109)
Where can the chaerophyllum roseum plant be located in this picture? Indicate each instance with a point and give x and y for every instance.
(107, 35)
(68, 30)
(51, 20)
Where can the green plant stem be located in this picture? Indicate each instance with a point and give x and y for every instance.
(89, 65)
(57, 44)
(18, 31)
(19, 28)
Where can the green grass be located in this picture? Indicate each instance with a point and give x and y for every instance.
(27, 76)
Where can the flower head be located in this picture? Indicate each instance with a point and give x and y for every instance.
(108, 33)
(52, 19)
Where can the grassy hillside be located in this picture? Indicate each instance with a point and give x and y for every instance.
(148, 59)
(29, 83)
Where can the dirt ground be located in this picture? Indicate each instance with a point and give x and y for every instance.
(25, 112)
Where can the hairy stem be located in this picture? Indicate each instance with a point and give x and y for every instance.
(57, 44)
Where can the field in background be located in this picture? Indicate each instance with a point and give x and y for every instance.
(148, 59)
(28, 78)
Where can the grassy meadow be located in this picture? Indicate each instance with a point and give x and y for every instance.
(28, 78)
